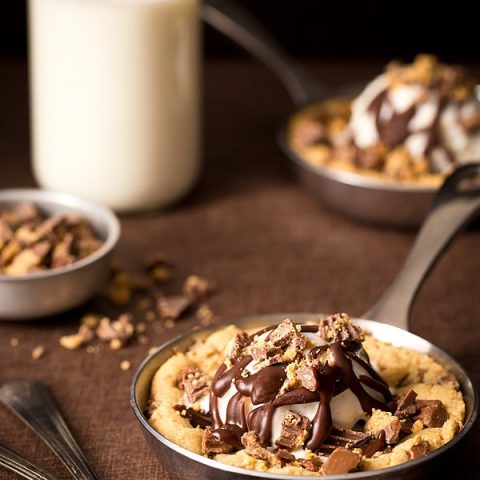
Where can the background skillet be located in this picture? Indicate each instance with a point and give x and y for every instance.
(358, 196)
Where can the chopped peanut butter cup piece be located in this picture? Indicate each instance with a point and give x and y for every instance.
(294, 431)
(339, 328)
(285, 334)
(255, 449)
(237, 344)
(311, 464)
(171, 308)
(341, 437)
(308, 377)
(407, 406)
(212, 443)
(418, 450)
(341, 461)
(195, 383)
(117, 332)
(28, 260)
(386, 422)
(432, 413)
(31, 242)
(282, 344)
(62, 252)
(374, 445)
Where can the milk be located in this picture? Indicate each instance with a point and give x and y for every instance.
(115, 99)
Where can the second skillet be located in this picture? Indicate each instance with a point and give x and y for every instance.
(358, 196)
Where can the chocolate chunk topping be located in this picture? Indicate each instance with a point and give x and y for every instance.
(406, 405)
(195, 382)
(341, 461)
(171, 308)
(340, 437)
(284, 456)
(338, 328)
(374, 445)
(308, 377)
(236, 346)
(418, 451)
(406, 425)
(255, 449)
(295, 429)
(431, 413)
(212, 443)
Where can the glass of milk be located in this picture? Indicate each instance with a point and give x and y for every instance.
(115, 99)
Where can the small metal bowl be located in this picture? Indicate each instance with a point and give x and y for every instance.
(184, 463)
(36, 295)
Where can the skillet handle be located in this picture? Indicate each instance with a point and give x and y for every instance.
(456, 204)
(238, 25)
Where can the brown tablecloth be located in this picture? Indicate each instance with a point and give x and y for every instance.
(252, 228)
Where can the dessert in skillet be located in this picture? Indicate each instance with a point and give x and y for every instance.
(300, 399)
(413, 123)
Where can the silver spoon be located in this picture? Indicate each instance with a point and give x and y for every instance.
(32, 403)
(21, 466)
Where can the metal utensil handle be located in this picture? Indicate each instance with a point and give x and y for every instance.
(238, 25)
(32, 403)
(456, 203)
(21, 466)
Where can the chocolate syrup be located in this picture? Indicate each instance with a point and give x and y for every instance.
(196, 419)
(395, 130)
(263, 386)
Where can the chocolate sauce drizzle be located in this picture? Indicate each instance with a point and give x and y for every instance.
(395, 131)
(263, 388)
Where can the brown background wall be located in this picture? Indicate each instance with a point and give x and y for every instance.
(331, 28)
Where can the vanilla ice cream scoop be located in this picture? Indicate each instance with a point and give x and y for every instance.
(428, 108)
(316, 375)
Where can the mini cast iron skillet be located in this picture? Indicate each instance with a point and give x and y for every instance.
(361, 197)
(457, 202)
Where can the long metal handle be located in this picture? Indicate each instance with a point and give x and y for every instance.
(238, 25)
(32, 403)
(21, 466)
(456, 204)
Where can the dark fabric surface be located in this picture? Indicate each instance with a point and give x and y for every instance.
(252, 228)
